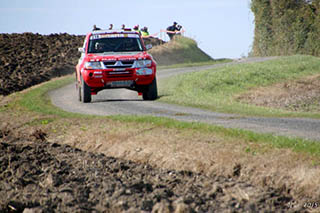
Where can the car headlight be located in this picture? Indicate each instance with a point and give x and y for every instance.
(92, 65)
(142, 63)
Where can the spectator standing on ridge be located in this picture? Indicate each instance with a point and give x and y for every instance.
(136, 28)
(171, 30)
(123, 27)
(179, 28)
(96, 28)
(144, 32)
(110, 26)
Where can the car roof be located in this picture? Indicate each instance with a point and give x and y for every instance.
(95, 32)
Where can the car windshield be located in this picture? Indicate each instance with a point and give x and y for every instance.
(114, 44)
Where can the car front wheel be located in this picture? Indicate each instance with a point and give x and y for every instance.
(151, 92)
(85, 92)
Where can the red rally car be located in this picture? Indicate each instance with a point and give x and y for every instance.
(115, 59)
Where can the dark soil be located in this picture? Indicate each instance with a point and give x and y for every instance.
(28, 59)
(37, 176)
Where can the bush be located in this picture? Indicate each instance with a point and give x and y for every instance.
(286, 27)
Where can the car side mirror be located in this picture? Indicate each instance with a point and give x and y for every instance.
(148, 46)
(81, 49)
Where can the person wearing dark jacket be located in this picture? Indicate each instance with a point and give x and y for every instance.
(171, 30)
(95, 28)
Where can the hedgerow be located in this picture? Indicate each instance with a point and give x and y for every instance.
(285, 27)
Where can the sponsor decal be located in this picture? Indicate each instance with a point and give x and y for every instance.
(122, 59)
(128, 59)
(99, 36)
(94, 37)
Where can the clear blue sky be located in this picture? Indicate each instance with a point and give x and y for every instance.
(222, 28)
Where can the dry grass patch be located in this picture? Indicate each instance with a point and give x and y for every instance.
(301, 95)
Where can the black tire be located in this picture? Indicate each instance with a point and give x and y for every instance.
(151, 91)
(85, 93)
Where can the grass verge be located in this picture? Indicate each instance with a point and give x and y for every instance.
(296, 144)
(178, 51)
(196, 64)
(216, 89)
(37, 100)
(167, 143)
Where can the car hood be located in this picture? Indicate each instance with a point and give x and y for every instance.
(115, 56)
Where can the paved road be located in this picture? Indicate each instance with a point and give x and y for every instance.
(122, 101)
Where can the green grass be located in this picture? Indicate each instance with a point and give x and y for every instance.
(188, 49)
(215, 89)
(179, 50)
(37, 100)
(195, 64)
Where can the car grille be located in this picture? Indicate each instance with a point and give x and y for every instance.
(119, 64)
(119, 74)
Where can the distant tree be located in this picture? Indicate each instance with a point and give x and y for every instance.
(284, 27)
(263, 35)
